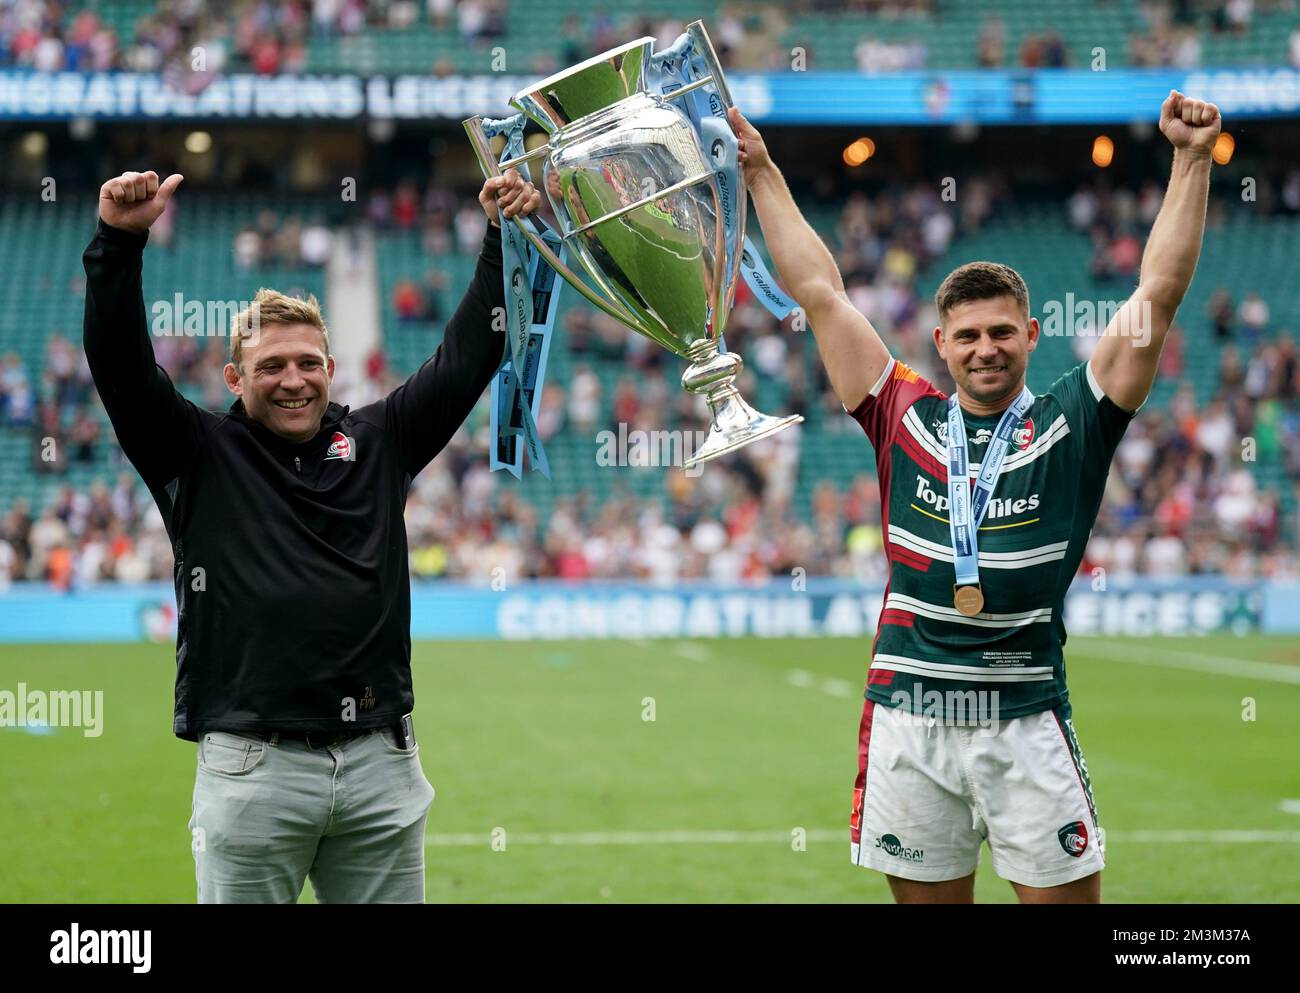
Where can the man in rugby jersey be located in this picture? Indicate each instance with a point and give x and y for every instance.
(966, 732)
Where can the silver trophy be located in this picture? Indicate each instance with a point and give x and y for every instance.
(637, 190)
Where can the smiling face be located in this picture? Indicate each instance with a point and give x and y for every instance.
(284, 379)
(986, 345)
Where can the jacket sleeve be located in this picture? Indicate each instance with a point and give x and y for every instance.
(424, 412)
(158, 429)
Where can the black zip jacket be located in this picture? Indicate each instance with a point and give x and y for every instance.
(291, 562)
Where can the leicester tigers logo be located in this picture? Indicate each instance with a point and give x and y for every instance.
(1073, 838)
(1022, 436)
(341, 447)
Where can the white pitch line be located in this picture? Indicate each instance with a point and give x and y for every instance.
(692, 651)
(838, 687)
(602, 838)
(1290, 806)
(1205, 837)
(831, 687)
(1218, 665)
(615, 838)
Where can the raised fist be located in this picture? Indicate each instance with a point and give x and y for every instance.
(1190, 124)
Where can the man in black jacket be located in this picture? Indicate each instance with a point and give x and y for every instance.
(286, 519)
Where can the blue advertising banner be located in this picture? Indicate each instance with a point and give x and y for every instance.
(985, 96)
(1038, 96)
(559, 610)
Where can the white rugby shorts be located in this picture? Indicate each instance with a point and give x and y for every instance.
(928, 794)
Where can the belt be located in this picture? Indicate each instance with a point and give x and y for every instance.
(321, 739)
(402, 732)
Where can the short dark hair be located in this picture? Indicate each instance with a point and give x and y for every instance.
(980, 281)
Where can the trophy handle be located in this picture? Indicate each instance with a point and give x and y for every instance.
(699, 39)
(491, 167)
(683, 90)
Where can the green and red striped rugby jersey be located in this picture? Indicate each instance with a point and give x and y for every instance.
(1031, 541)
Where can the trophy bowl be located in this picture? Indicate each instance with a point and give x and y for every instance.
(637, 190)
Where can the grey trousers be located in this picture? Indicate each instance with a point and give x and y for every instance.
(268, 814)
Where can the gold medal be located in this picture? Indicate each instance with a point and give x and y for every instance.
(969, 600)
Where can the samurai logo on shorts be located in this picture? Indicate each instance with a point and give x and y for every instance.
(1073, 838)
(341, 447)
(890, 845)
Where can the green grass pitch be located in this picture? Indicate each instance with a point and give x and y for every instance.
(751, 742)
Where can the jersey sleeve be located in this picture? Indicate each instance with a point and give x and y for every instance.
(1094, 418)
(158, 429)
(880, 414)
(425, 411)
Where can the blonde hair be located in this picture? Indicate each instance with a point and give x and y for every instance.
(268, 309)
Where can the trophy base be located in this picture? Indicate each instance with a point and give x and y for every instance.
(735, 423)
(753, 427)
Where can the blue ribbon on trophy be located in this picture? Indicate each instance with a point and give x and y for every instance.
(532, 295)
(670, 70)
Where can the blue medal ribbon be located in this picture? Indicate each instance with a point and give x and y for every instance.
(668, 71)
(532, 294)
(966, 509)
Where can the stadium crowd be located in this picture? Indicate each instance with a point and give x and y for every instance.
(288, 242)
(274, 36)
(1182, 499)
